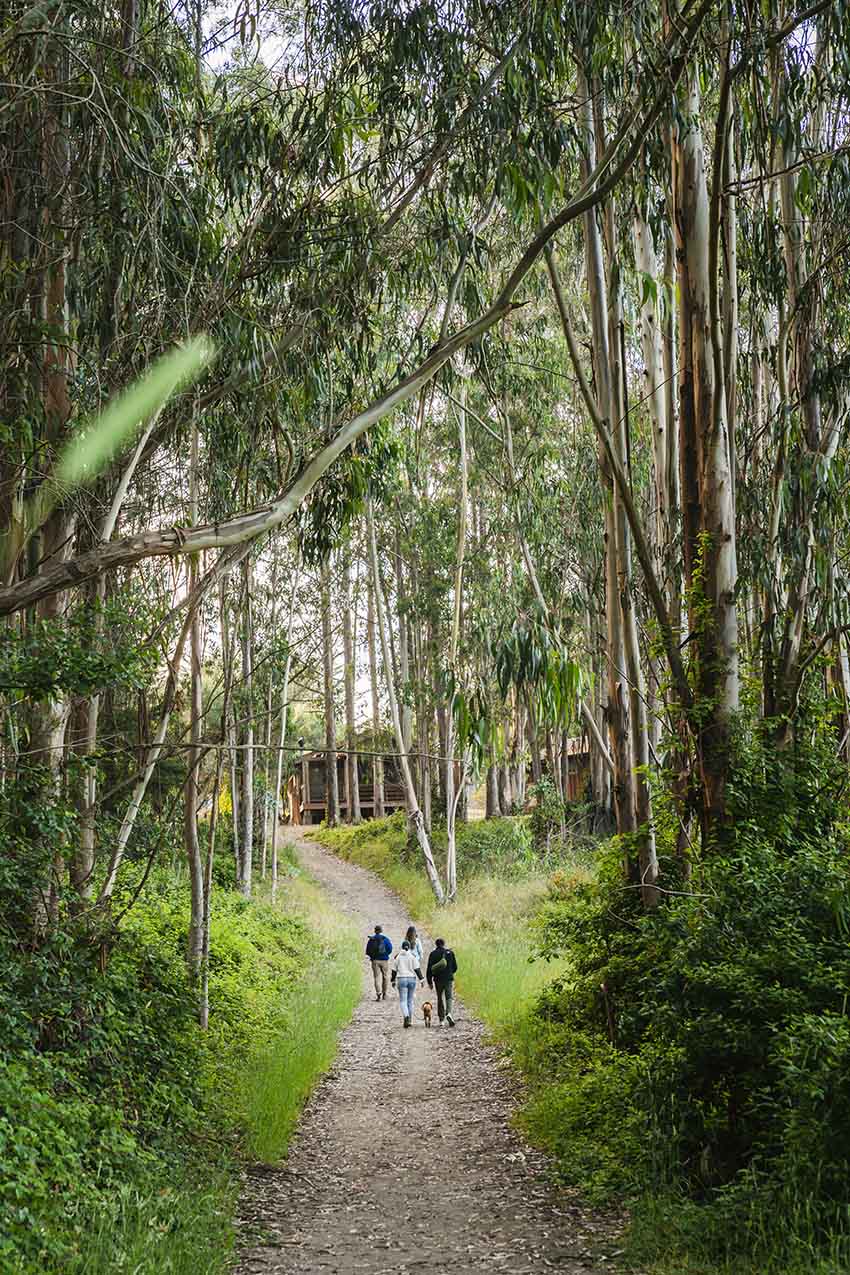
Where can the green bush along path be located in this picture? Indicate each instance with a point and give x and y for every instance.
(406, 1157)
(122, 1127)
(689, 1064)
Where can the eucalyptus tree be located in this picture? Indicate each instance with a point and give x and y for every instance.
(341, 232)
(414, 813)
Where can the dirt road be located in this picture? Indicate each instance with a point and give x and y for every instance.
(405, 1160)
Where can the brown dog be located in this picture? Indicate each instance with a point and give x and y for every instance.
(427, 1010)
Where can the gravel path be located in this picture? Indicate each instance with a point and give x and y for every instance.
(405, 1160)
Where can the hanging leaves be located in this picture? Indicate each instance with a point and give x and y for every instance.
(530, 658)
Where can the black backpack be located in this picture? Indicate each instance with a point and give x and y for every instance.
(378, 947)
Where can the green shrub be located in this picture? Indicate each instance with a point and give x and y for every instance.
(719, 1021)
(118, 1115)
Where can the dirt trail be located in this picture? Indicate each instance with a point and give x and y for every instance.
(405, 1159)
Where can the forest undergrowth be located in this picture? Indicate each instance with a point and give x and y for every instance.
(690, 1063)
(122, 1122)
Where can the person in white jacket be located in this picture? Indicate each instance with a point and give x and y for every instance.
(406, 970)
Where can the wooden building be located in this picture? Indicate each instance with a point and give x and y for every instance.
(577, 768)
(307, 795)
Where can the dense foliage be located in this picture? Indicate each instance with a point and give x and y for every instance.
(503, 351)
(703, 1048)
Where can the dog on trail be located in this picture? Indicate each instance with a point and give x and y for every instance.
(427, 1010)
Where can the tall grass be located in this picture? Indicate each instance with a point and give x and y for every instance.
(283, 1073)
(673, 1235)
(179, 1229)
(489, 928)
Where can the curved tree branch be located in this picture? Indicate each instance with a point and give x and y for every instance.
(164, 542)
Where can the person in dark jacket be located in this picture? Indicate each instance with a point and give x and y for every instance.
(442, 967)
(378, 950)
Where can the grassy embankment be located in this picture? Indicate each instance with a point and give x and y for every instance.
(121, 1121)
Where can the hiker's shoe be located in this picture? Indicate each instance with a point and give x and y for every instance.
(407, 1022)
(377, 998)
(450, 1020)
(383, 998)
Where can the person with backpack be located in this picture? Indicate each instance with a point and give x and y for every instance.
(442, 967)
(405, 975)
(378, 949)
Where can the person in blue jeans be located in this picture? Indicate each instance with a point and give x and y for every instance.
(405, 973)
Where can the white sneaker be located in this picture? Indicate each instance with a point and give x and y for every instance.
(450, 1020)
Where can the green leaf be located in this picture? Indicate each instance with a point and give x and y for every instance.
(96, 444)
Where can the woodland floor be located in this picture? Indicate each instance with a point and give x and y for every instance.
(405, 1159)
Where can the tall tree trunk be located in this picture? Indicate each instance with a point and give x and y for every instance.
(619, 724)
(284, 712)
(645, 869)
(204, 1009)
(348, 648)
(152, 755)
(454, 675)
(228, 659)
(246, 839)
(414, 814)
(519, 767)
(49, 720)
(565, 764)
(534, 744)
(331, 773)
(194, 861)
(710, 553)
(267, 752)
(403, 669)
(267, 763)
(377, 759)
(82, 862)
(492, 808)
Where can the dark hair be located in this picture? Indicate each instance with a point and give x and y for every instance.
(440, 942)
(406, 946)
(378, 929)
(411, 929)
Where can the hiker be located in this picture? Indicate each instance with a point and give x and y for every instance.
(415, 944)
(405, 974)
(378, 950)
(442, 967)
